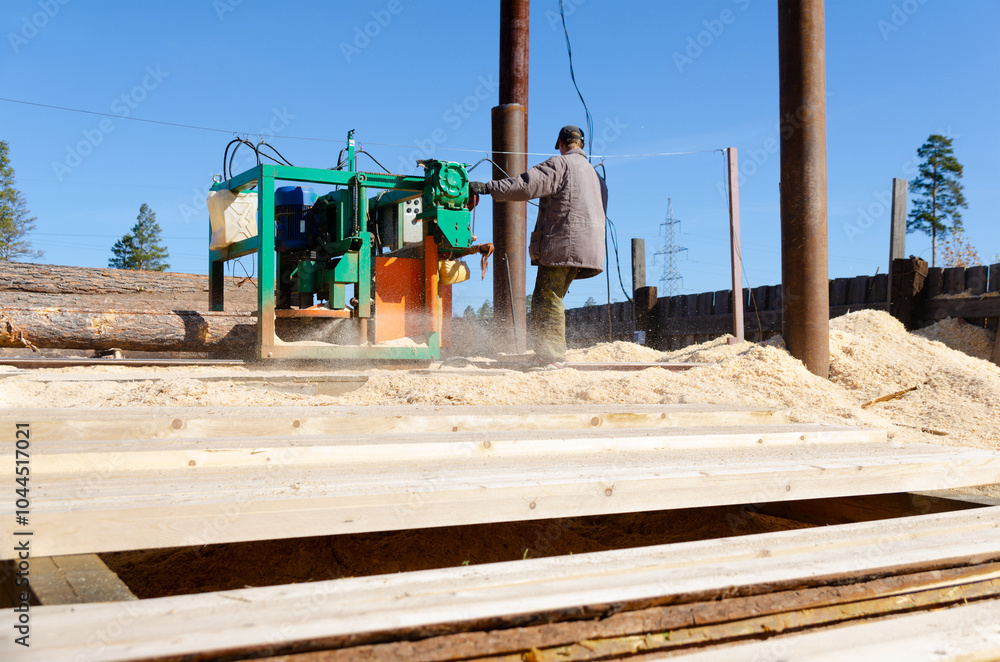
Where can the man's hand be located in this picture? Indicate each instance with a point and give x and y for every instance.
(477, 187)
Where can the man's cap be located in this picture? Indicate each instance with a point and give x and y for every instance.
(569, 132)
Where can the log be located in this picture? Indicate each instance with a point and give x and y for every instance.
(169, 331)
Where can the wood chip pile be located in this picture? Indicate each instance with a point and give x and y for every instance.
(956, 399)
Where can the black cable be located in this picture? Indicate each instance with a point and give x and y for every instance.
(361, 151)
(225, 155)
(572, 75)
(275, 150)
(618, 262)
(340, 160)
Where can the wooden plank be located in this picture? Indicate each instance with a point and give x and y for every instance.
(74, 424)
(995, 356)
(178, 495)
(638, 263)
(682, 625)
(897, 224)
(934, 282)
(78, 579)
(856, 290)
(838, 291)
(976, 280)
(750, 628)
(704, 303)
(723, 300)
(967, 632)
(994, 279)
(258, 619)
(954, 280)
(879, 292)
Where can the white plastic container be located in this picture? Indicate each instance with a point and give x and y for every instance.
(232, 217)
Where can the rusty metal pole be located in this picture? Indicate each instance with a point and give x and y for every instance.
(804, 256)
(510, 134)
(509, 223)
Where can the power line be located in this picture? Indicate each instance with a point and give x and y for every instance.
(330, 140)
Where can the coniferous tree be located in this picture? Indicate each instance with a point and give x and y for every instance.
(486, 310)
(15, 223)
(140, 249)
(939, 192)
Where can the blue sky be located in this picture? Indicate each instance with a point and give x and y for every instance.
(417, 78)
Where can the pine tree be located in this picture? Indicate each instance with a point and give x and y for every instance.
(590, 302)
(140, 249)
(486, 310)
(470, 312)
(15, 224)
(939, 192)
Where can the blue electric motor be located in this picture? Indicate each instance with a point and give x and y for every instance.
(294, 228)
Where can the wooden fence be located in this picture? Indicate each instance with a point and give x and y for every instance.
(920, 296)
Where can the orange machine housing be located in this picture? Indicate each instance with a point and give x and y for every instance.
(402, 286)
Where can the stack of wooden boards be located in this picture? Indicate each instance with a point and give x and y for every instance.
(176, 477)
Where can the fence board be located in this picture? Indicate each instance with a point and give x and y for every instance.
(856, 290)
(723, 302)
(838, 291)
(976, 279)
(880, 289)
(934, 283)
(994, 281)
(954, 280)
(704, 306)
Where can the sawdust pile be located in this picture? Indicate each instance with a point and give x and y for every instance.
(954, 390)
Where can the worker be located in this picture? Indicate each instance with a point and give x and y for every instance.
(567, 243)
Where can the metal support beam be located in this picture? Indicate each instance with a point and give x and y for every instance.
(509, 232)
(735, 250)
(804, 255)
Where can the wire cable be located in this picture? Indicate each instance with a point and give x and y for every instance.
(572, 75)
(361, 151)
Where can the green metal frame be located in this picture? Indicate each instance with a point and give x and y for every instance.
(263, 177)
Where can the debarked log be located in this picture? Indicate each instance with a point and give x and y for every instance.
(150, 331)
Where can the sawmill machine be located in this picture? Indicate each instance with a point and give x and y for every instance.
(363, 271)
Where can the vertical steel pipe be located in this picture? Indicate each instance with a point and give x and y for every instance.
(510, 134)
(509, 234)
(804, 257)
(514, 31)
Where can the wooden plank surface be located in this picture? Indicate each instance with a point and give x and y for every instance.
(682, 626)
(89, 498)
(967, 633)
(254, 619)
(191, 422)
